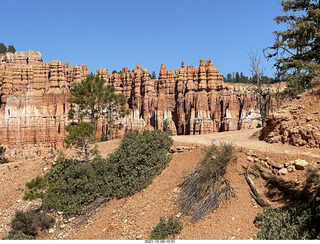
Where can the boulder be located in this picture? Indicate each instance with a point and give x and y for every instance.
(283, 171)
(300, 164)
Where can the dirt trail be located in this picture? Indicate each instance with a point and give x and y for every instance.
(243, 138)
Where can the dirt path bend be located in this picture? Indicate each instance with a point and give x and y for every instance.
(244, 139)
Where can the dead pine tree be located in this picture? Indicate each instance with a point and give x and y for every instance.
(257, 72)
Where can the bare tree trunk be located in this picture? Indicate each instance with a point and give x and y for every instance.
(257, 72)
(86, 153)
(110, 122)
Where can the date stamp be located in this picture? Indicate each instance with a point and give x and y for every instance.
(160, 241)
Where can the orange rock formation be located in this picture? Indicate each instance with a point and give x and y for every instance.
(191, 100)
(33, 100)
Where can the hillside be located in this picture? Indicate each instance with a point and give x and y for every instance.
(135, 216)
(296, 122)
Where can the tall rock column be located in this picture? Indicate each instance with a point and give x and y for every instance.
(181, 77)
(166, 100)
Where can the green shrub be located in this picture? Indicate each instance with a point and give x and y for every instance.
(301, 223)
(166, 127)
(25, 225)
(36, 188)
(134, 164)
(164, 229)
(205, 187)
(73, 185)
(103, 137)
(18, 235)
(130, 134)
(3, 160)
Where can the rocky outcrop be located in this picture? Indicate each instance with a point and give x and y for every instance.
(33, 101)
(296, 123)
(20, 58)
(189, 100)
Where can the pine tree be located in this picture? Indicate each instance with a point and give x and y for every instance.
(3, 48)
(237, 77)
(87, 99)
(11, 48)
(297, 49)
(81, 135)
(115, 108)
(92, 100)
(229, 78)
(153, 76)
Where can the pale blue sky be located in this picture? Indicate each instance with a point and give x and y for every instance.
(119, 33)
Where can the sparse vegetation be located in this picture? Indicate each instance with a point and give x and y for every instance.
(299, 218)
(3, 160)
(103, 137)
(166, 127)
(4, 49)
(300, 223)
(25, 225)
(206, 186)
(164, 229)
(72, 185)
(153, 76)
(36, 188)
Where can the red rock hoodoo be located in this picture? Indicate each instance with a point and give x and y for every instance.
(191, 100)
(33, 104)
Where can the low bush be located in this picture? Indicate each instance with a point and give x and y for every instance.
(3, 160)
(72, 185)
(166, 127)
(36, 188)
(26, 225)
(18, 235)
(299, 223)
(134, 164)
(130, 134)
(164, 229)
(205, 187)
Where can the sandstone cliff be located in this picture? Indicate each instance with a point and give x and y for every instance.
(296, 122)
(190, 100)
(33, 100)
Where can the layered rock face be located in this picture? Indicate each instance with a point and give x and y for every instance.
(33, 100)
(296, 122)
(190, 100)
(20, 58)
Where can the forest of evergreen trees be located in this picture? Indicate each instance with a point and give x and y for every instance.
(235, 77)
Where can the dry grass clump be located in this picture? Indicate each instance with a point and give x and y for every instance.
(205, 187)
